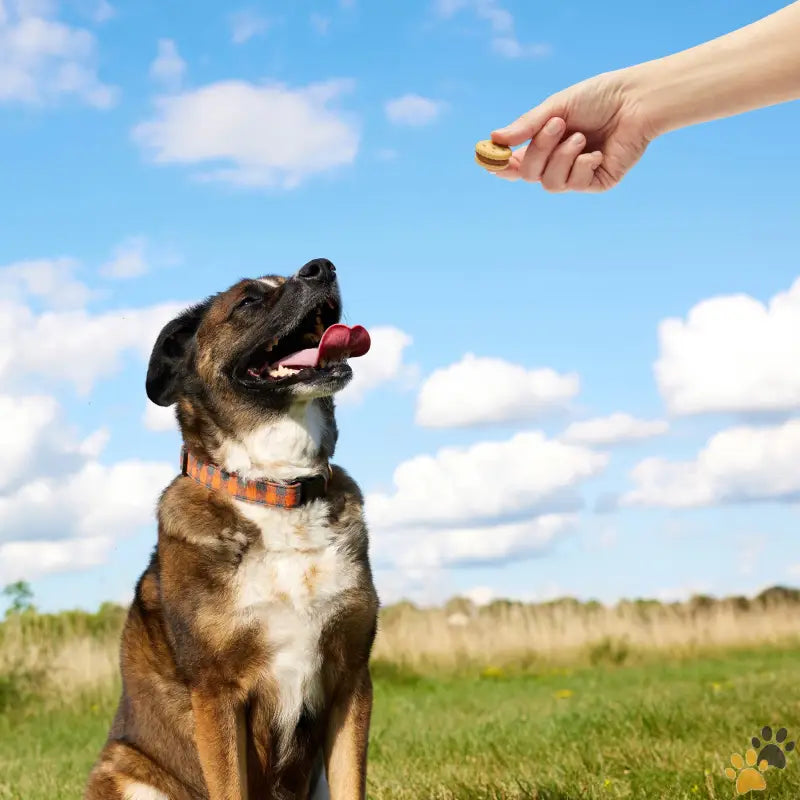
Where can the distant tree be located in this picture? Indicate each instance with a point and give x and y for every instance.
(20, 597)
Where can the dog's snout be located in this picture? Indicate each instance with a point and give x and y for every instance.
(320, 269)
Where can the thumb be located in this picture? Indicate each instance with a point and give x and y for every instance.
(527, 126)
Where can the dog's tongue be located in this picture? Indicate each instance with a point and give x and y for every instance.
(337, 343)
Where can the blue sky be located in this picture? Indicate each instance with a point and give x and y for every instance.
(153, 155)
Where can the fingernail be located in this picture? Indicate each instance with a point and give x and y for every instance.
(554, 126)
(578, 139)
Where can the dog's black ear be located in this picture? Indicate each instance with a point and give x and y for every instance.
(168, 361)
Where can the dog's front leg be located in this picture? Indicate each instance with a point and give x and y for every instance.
(346, 740)
(221, 737)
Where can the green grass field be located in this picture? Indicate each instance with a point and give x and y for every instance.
(662, 730)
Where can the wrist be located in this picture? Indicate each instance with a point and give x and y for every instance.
(661, 94)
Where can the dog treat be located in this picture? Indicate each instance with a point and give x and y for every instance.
(491, 156)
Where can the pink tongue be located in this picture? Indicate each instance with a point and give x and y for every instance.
(337, 343)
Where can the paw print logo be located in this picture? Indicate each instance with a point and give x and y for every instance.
(774, 753)
(765, 753)
(748, 778)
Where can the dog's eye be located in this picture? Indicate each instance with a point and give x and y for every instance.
(249, 300)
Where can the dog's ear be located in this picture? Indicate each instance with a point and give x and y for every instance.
(169, 359)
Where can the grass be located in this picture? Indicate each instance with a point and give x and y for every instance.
(662, 730)
(567, 632)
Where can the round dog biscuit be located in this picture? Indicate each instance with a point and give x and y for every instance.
(491, 156)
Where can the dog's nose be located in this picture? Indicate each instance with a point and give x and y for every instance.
(320, 269)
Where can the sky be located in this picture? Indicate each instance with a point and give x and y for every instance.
(585, 395)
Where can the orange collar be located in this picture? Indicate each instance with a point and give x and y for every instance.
(266, 493)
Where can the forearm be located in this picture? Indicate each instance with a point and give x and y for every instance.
(753, 67)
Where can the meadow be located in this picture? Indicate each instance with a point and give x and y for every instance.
(556, 701)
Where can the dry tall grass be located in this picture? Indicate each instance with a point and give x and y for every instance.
(71, 653)
(566, 632)
(58, 654)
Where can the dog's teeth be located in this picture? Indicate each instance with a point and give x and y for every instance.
(282, 371)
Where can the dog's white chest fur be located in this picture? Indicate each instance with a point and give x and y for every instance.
(289, 582)
(288, 446)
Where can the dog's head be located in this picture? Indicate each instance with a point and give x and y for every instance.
(256, 349)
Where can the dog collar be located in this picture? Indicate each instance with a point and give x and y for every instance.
(266, 493)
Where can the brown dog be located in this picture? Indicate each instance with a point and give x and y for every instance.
(245, 652)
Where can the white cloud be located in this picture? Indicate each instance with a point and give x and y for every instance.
(612, 429)
(246, 24)
(320, 23)
(36, 438)
(382, 364)
(168, 68)
(24, 420)
(489, 480)
(30, 560)
(159, 418)
(413, 110)
(263, 135)
(95, 500)
(43, 60)
(732, 353)
(501, 26)
(453, 509)
(737, 465)
(60, 341)
(76, 347)
(386, 154)
(794, 570)
(431, 548)
(50, 280)
(477, 391)
(434, 548)
(60, 508)
(128, 260)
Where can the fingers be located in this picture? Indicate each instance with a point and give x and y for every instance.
(582, 175)
(526, 127)
(558, 167)
(555, 175)
(541, 148)
(511, 172)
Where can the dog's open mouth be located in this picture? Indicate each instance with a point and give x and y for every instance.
(312, 348)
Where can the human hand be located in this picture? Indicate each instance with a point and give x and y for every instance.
(584, 138)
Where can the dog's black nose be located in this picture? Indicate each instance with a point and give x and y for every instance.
(320, 269)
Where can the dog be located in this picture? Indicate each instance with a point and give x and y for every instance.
(245, 653)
